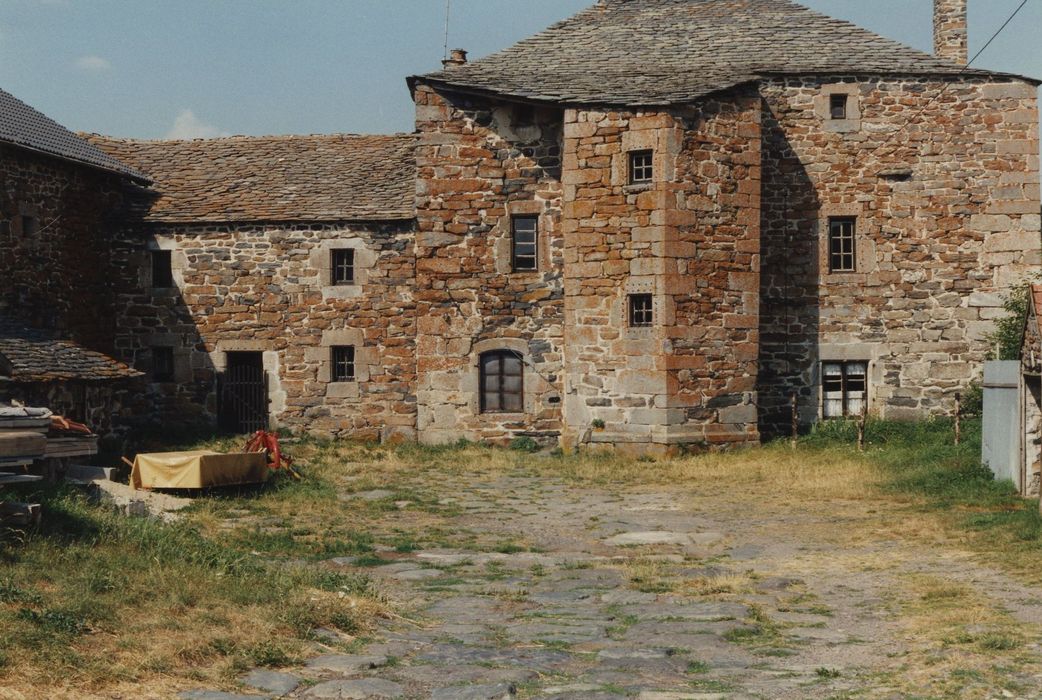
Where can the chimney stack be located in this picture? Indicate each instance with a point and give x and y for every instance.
(951, 30)
(457, 57)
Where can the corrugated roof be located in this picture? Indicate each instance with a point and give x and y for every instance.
(24, 126)
(339, 177)
(32, 355)
(659, 52)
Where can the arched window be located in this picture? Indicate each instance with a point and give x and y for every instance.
(502, 382)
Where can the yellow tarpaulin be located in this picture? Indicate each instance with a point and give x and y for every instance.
(196, 470)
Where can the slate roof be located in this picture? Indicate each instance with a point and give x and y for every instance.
(23, 126)
(32, 355)
(660, 52)
(339, 177)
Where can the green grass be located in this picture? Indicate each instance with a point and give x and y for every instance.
(920, 461)
(93, 597)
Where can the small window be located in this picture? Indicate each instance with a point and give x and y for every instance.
(838, 106)
(502, 382)
(343, 363)
(525, 243)
(844, 388)
(641, 167)
(343, 266)
(642, 312)
(30, 226)
(162, 364)
(162, 270)
(842, 245)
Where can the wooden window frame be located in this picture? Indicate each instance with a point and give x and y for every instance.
(499, 391)
(162, 269)
(524, 261)
(839, 106)
(343, 366)
(163, 371)
(641, 167)
(342, 271)
(641, 310)
(842, 247)
(845, 390)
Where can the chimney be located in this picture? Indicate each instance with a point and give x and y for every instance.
(950, 31)
(457, 57)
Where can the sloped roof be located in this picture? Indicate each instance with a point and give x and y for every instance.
(660, 52)
(33, 355)
(339, 177)
(25, 127)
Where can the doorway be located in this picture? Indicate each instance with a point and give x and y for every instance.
(243, 393)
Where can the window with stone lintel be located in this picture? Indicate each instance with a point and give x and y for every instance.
(524, 253)
(844, 389)
(342, 267)
(843, 244)
(642, 168)
(838, 106)
(502, 382)
(343, 361)
(641, 310)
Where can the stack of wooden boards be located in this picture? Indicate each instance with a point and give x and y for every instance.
(23, 435)
(23, 440)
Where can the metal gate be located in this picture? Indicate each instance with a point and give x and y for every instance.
(243, 392)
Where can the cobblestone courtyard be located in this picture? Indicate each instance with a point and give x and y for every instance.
(569, 592)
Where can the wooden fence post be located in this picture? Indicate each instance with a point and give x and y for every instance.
(795, 419)
(958, 418)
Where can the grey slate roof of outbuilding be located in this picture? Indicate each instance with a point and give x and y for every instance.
(32, 355)
(659, 52)
(336, 177)
(25, 127)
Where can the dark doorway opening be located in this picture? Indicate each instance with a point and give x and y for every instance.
(243, 392)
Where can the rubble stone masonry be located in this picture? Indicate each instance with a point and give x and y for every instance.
(266, 288)
(480, 164)
(943, 179)
(55, 218)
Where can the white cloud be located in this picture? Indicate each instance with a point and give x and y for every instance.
(189, 126)
(93, 64)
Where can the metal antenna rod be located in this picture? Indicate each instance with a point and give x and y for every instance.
(448, 11)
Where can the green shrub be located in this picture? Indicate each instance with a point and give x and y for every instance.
(524, 444)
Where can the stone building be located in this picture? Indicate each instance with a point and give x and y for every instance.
(647, 227)
(60, 197)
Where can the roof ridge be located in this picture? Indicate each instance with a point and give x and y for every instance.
(243, 137)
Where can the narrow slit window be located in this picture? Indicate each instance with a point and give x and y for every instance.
(525, 243)
(842, 245)
(502, 382)
(343, 266)
(838, 106)
(162, 364)
(343, 363)
(642, 169)
(162, 269)
(844, 388)
(642, 310)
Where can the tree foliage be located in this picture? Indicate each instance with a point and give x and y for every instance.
(1008, 334)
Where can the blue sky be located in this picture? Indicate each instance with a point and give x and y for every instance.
(158, 68)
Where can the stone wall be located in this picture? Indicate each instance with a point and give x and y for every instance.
(943, 180)
(57, 275)
(480, 164)
(689, 238)
(266, 288)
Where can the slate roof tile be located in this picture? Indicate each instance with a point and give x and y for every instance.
(661, 52)
(23, 126)
(338, 177)
(32, 355)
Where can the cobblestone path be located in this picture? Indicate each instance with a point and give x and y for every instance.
(654, 595)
